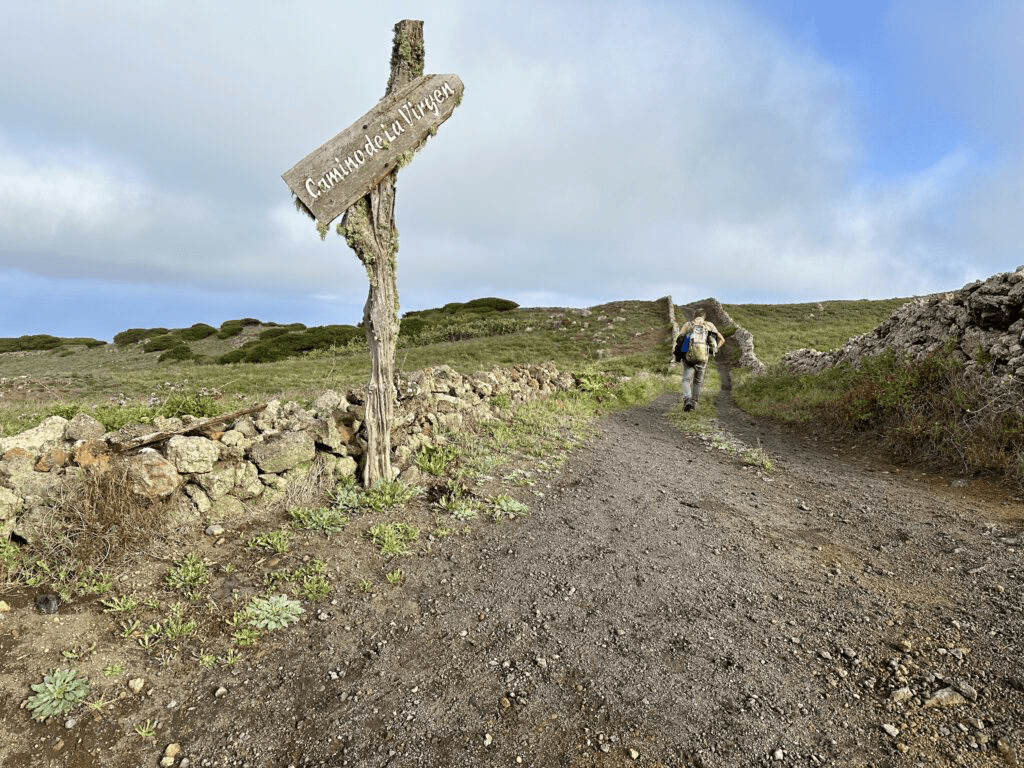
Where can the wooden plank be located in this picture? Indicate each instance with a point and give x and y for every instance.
(155, 437)
(333, 177)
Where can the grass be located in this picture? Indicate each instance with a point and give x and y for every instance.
(826, 325)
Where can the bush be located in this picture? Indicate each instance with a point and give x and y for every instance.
(178, 352)
(30, 343)
(229, 328)
(135, 335)
(196, 332)
(293, 344)
(160, 343)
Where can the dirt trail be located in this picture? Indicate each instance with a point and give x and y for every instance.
(662, 605)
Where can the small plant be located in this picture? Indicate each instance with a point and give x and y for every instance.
(150, 636)
(434, 460)
(122, 604)
(147, 730)
(395, 576)
(457, 506)
(58, 694)
(347, 495)
(130, 628)
(10, 555)
(206, 660)
(76, 653)
(388, 495)
(230, 658)
(189, 573)
(505, 505)
(246, 636)
(328, 520)
(365, 585)
(275, 541)
(758, 457)
(99, 705)
(176, 626)
(393, 538)
(113, 670)
(274, 612)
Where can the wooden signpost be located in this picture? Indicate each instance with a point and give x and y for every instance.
(354, 174)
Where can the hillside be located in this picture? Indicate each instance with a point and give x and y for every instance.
(654, 588)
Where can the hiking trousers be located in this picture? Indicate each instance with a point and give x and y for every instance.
(693, 380)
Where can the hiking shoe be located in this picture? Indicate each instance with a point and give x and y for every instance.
(689, 405)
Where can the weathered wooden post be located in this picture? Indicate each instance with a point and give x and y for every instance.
(354, 173)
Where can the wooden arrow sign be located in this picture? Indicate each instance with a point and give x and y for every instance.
(330, 179)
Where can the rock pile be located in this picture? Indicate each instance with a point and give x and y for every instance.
(983, 322)
(221, 467)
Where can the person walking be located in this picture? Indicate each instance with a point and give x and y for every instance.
(703, 343)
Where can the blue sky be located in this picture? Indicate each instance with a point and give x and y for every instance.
(753, 150)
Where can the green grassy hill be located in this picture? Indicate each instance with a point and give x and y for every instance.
(142, 370)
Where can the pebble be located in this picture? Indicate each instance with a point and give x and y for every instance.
(947, 697)
(487, 739)
(778, 755)
(222, 691)
(891, 729)
(901, 695)
(215, 530)
(634, 755)
(170, 753)
(136, 684)
(4, 607)
(70, 723)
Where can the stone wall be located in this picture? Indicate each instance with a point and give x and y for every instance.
(983, 322)
(221, 468)
(744, 339)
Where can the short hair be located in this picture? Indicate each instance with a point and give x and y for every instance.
(700, 312)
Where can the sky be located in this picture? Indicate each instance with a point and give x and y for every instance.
(756, 151)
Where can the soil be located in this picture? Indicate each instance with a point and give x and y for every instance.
(664, 603)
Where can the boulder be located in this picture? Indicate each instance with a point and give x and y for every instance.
(83, 427)
(192, 454)
(151, 475)
(281, 452)
(47, 434)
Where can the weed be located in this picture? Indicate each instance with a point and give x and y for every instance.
(388, 495)
(130, 629)
(122, 604)
(59, 693)
(393, 539)
(147, 730)
(76, 653)
(246, 636)
(504, 505)
(230, 658)
(275, 541)
(189, 573)
(365, 585)
(435, 460)
(176, 627)
(113, 670)
(274, 612)
(328, 520)
(395, 576)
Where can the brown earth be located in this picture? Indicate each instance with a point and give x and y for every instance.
(663, 604)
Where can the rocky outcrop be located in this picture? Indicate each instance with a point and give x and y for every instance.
(219, 467)
(982, 323)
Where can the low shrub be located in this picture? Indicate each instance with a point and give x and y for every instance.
(161, 343)
(135, 335)
(179, 351)
(293, 344)
(196, 332)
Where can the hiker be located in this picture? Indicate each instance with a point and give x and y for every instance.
(694, 353)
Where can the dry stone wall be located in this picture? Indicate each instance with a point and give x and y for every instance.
(983, 322)
(255, 458)
(744, 339)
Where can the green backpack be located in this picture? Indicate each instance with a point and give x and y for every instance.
(698, 349)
